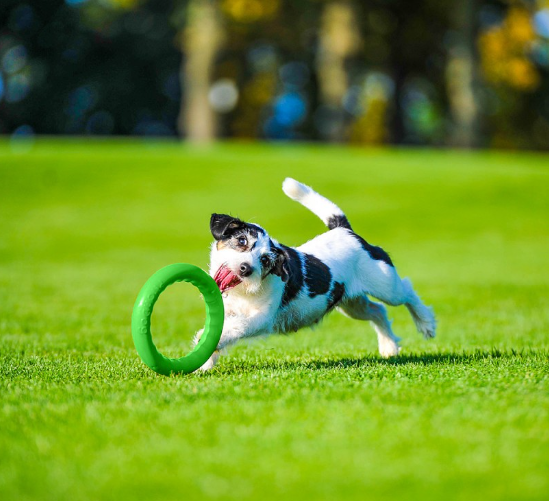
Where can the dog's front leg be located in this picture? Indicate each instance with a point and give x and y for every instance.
(234, 328)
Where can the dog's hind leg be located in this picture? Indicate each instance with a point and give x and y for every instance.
(361, 308)
(394, 291)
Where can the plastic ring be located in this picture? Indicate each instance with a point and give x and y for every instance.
(143, 308)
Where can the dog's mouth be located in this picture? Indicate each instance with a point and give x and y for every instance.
(226, 279)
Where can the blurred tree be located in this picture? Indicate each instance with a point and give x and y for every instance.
(462, 75)
(339, 38)
(200, 39)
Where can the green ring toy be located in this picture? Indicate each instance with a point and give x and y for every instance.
(143, 308)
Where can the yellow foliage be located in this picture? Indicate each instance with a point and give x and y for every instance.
(493, 43)
(504, 52)
(522, 74)
(249, 11)
(518, 26)
(371, 128)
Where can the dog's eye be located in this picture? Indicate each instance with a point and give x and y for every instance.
(242, 241)
(265, 261)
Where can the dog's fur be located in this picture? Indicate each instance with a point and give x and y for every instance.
(283, 289)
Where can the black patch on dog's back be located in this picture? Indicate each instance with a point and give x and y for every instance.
(295, 275)
(375, 252)
(339, 221)
(336, 294)
(317, 276)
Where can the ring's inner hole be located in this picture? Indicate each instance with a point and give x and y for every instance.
(178, 314)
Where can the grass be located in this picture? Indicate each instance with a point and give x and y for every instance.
(317, 415)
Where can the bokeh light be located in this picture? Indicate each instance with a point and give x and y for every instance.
(423, 119)
(17, 88)
(290, 108)
(223, 95)
(81, 100)
(288, 111)
(541, 23)
(262, 58)
(14, 59)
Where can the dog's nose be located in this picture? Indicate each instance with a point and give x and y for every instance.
(245, 270)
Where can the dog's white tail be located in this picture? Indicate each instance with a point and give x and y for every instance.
(329, 212)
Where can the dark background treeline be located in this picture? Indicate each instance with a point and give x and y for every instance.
(458, 73)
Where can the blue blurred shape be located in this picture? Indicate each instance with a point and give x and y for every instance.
(17, 88)
(22, 17)
(352, 101)
(75, 2)
(262, 57)
(171, 87)
(100, 123)
(148, 126)
(290, 108)
(541, 23)
(294, 75)
(1, 87)
(23, 132)
(22, 139)
(540, 52)
(81, 100)
(489, 16)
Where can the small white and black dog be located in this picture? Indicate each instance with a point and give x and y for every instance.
(271, 288)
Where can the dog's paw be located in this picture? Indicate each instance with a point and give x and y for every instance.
(388, 348)
(207, 366)
(210, 363)
(429, 332)
(427, 327)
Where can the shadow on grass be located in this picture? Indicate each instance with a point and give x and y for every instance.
(329, 363)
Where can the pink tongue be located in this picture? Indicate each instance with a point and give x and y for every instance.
(225, 279)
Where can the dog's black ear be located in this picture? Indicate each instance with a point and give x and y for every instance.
(280, 266)
(223, 226)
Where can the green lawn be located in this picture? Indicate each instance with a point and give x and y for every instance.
(317, 415)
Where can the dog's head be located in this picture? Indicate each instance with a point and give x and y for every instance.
(243, 255)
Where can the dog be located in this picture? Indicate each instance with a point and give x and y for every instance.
(269, 287)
